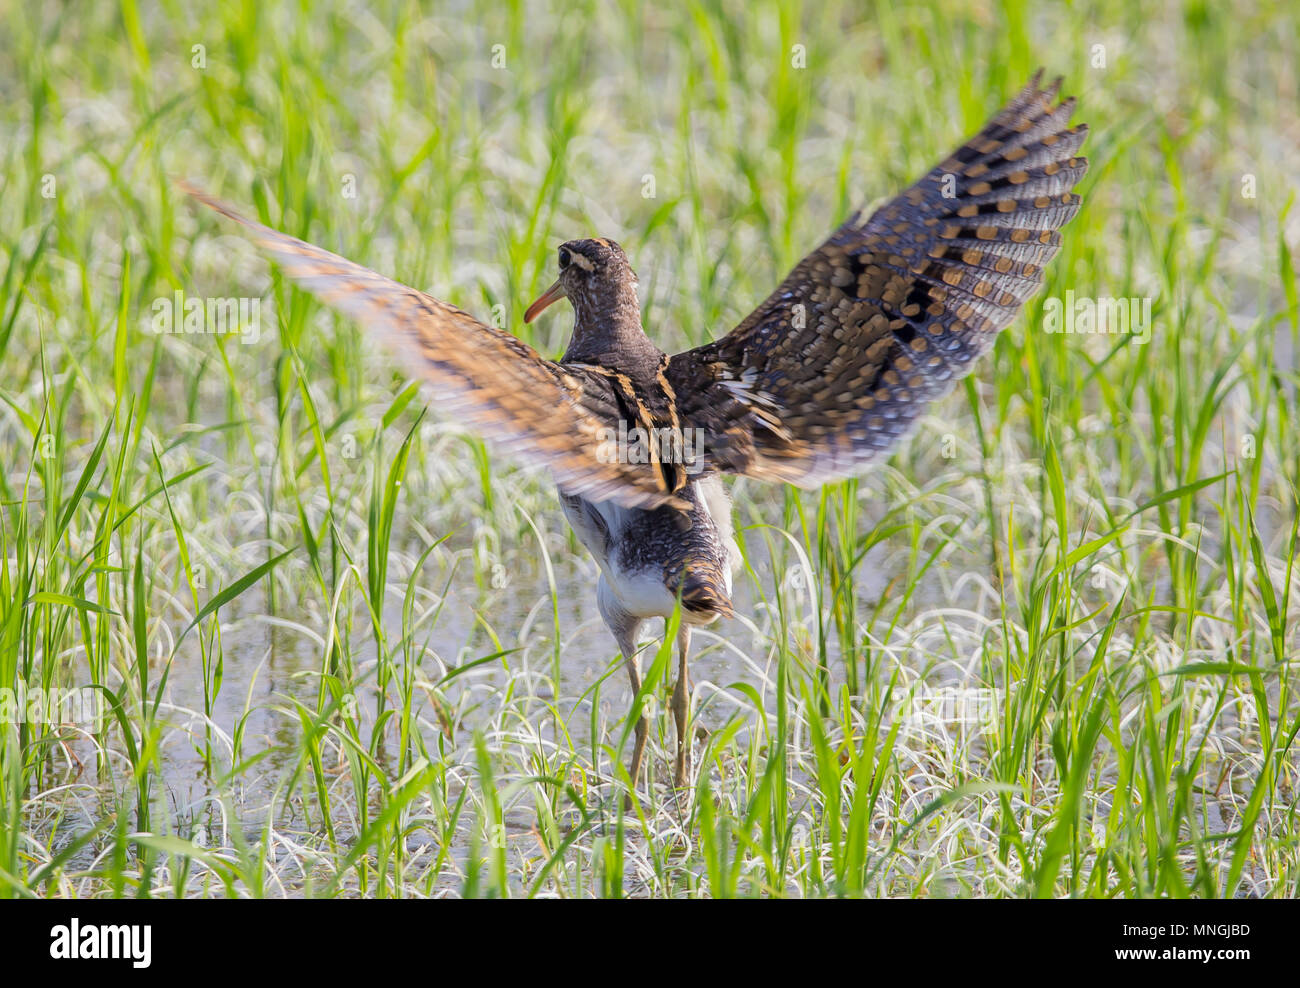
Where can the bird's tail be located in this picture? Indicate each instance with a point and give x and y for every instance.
(704, 590)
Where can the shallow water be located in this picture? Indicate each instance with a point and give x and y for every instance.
(271, 661)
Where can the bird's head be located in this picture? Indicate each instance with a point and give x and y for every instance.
(595, 276)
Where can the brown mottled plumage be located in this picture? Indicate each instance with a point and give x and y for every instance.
(823, 377)
(837, 363)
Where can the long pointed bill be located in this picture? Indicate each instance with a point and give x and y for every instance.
(552, 294)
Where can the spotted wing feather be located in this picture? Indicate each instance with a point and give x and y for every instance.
(541, 412)
(830, 371)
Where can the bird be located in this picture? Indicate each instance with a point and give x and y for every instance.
(819, 381)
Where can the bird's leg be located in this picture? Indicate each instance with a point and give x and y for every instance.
(624, 627)
(627, 645)
(681, 707)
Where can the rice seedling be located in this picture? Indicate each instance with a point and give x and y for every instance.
(271, 628)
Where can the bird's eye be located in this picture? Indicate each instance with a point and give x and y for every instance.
(564, 258)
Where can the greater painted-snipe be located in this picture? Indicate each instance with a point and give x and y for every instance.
(821, 379)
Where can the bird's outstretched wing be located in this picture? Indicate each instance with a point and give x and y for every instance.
(837, 363)
(541, 412)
